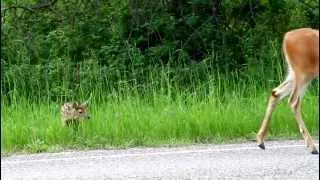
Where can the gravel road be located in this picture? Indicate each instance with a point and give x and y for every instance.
(281, 160)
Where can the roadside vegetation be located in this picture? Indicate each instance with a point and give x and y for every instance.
(160, 72)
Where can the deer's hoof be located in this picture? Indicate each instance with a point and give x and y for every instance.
(314, 151)
(262, 146)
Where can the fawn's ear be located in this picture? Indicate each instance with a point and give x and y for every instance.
(74, 105)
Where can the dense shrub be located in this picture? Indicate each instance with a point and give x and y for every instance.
(59, 49)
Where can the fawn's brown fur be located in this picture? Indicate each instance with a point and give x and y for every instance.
(73, 113)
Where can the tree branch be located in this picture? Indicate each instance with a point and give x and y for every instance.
(44, 5)
(32, 8)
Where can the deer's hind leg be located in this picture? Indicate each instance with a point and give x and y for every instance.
(295, 103)
(277, 94)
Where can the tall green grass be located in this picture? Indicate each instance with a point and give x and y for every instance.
(199, 103)
(123, 119)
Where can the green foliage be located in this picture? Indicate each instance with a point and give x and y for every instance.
(159, 71)
(143, 121)
(70, 48)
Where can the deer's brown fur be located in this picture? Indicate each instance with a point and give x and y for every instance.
(301, 50)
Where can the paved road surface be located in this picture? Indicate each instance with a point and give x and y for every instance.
(280, 160)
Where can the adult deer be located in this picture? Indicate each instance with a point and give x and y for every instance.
(301, 51)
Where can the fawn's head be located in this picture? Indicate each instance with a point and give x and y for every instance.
(74, 111)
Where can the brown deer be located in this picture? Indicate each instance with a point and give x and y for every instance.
(301, 51)
(74, 113)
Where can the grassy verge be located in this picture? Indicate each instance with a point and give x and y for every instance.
(149, 121)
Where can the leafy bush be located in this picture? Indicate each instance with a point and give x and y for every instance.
(65, 49)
